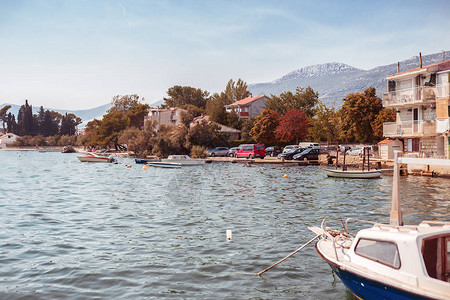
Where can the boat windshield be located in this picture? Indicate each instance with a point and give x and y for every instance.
(380, 251)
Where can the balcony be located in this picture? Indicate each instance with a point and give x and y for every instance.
(415, 96)
(410, 129)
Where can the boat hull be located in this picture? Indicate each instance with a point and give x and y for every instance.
(368, 289)
(145, 160)
(93, 159)
(353, 174)
(164, 165)
(186, 162)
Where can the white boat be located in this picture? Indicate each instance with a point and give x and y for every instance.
(353, 173)
(184, 160)
(92, 157)
(390, 261)
(161, 164)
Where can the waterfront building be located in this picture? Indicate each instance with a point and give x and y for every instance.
(165, 116)
(248, 108)
(421, 99)
(7, 139)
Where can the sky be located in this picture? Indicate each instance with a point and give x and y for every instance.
(76, 54)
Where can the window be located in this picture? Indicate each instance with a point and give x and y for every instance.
(436, 255)
(247, 148)
(259, 147)
(379, 251)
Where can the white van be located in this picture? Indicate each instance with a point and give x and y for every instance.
(308, 145)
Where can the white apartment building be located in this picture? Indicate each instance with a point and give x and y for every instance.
(421, 98)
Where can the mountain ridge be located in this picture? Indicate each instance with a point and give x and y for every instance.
(334, 81)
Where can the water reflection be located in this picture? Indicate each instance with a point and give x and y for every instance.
(77, 230)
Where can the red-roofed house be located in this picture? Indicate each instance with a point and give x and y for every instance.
(421, 99)
(249, 107)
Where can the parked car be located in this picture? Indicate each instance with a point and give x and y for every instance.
(219, 151)
(308, 154)
(358, 150)
(354, 151)
(290, 155)
(250, 151)
(308, 145)
(273, 151)
(232, 151)
(290, 147)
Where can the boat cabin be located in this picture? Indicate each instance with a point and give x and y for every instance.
(393, 251)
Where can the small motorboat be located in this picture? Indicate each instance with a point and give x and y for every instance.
(92, 157)
(146, 160)
(160, 164)
(390, 261)
(184, 160)
(363, 174)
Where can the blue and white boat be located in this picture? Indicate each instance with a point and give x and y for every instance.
(390, 261)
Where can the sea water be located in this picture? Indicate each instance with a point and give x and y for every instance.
(78, 230)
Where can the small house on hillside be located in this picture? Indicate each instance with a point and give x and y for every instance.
(165, 116)
(233, 133)
(249, 107)
(7, 139)
(387, 147)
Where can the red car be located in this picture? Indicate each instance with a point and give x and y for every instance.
(251, 151)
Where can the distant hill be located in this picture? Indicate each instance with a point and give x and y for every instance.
(334, 81)
(86, 115)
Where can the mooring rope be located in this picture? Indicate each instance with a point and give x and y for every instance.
(267, 269)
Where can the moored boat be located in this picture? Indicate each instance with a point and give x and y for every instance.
(146, 160)
(362, 174)
(390, 261)
(92, 157)
(164, 164)
(184, 160)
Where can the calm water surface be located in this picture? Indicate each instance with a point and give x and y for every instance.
(77, 230)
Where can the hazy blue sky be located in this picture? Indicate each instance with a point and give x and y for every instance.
(78, 54)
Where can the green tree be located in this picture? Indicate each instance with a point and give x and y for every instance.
(215, 107)
(189, 113)
(385, 115)
(4, 115)
(292, 126)
(304, 99)
(325, 124)
(69, 123)
(124, 103)
(202, 134)
(136, 115)
(246, 128)
(264, 127)
(357, 114)
(184, 95)
(235, 91)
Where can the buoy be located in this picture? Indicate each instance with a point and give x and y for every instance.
(285, 176)
(145, 167)
(229, 235)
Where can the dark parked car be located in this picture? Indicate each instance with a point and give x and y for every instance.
(290, 155)
(273, 151)
(308, 154)
(219, 151)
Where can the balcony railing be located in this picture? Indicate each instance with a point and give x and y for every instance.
(416, 128)
(416, 95)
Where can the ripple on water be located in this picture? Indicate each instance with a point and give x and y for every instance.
(76, 230)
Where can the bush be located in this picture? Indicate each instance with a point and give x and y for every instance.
(199, 152)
